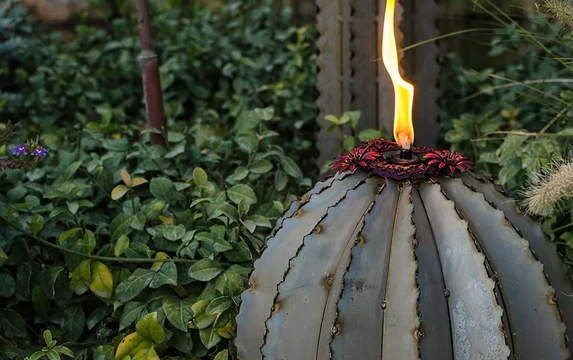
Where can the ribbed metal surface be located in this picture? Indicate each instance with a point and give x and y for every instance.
(368, 268)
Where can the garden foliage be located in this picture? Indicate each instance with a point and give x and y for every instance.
(124, 250)
(518, 120)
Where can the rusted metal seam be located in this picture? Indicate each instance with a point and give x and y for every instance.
(357, 241)
(417, 272)
(518, 232)
(296, 255)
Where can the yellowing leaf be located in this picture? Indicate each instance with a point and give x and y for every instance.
(157, 265)
(137, 181)
(125, 177)
(149, 328)
(118, 192)
(128, 344)
(166, 219)
(81, 278)
(146, 354)
(102, 280)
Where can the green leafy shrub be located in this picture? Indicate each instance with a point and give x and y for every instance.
(114, 235)
(212, 64)
(516, 121)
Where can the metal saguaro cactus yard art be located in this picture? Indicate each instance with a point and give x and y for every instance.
(406, 254)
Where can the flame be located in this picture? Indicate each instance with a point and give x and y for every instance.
(403, 90)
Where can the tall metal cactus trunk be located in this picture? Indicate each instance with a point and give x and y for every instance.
(369, 267)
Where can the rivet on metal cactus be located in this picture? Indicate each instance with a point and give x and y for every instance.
(430, 266)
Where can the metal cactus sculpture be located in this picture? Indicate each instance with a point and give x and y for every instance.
(406, 254)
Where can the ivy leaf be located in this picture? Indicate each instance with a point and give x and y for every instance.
(74, 322)
(98, 315)
(102, 280)
(149, 328)
(242, 192)
(70, 233)
(13, 324)
(130, 343)
(230, 283)
(81, 277)
(133, 285)
(265, 114)
(262, 166)
(205, 270)
(178, 312)
(23, 277)
(162, 189)
(173, 233)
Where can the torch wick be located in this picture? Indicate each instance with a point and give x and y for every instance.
(406, 154)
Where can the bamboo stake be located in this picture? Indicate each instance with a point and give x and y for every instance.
(150, 75)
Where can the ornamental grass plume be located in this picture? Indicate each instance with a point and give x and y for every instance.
(550, 190)
(562, 10)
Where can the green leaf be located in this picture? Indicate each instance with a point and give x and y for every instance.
(102, 280)
(247, 141)
(369, 134)
(265, 114)
(13, 324)
(510, 146)
(96, 316)
(68, 234)
(353, 117)
(73, 207)
(40, 301)
(149, 328)
(167, 274)
(262, 166)
(134, 284)
(47, 279)
(87, 242)
(132, 311)
(178, 312)
(3, 257)
(121, 245)
(81, 277)
(260, 220)
(223, 355)
(331, 118)
(240, 193)
(104, 352)
(172, 232)
(121, 225)
(289, 166)
(36, 224)
(205, 270)
(230, 283)
(209, 337)
(53, 355)
(47, 334)
(23, 277)
(7, 285)
(162, 188)
(71, 169)
(219, 305)
(74, 322)
(199, 176)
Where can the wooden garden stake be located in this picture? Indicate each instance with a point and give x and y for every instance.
(150, 75)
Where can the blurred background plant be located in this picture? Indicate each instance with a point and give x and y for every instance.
(516, 121)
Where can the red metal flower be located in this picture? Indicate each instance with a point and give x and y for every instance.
(448, 160)
(357, 157)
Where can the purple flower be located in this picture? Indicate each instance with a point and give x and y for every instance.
(32, 148)
(40, 151)
(20, 149)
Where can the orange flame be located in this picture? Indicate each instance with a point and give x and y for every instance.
(403, 90)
